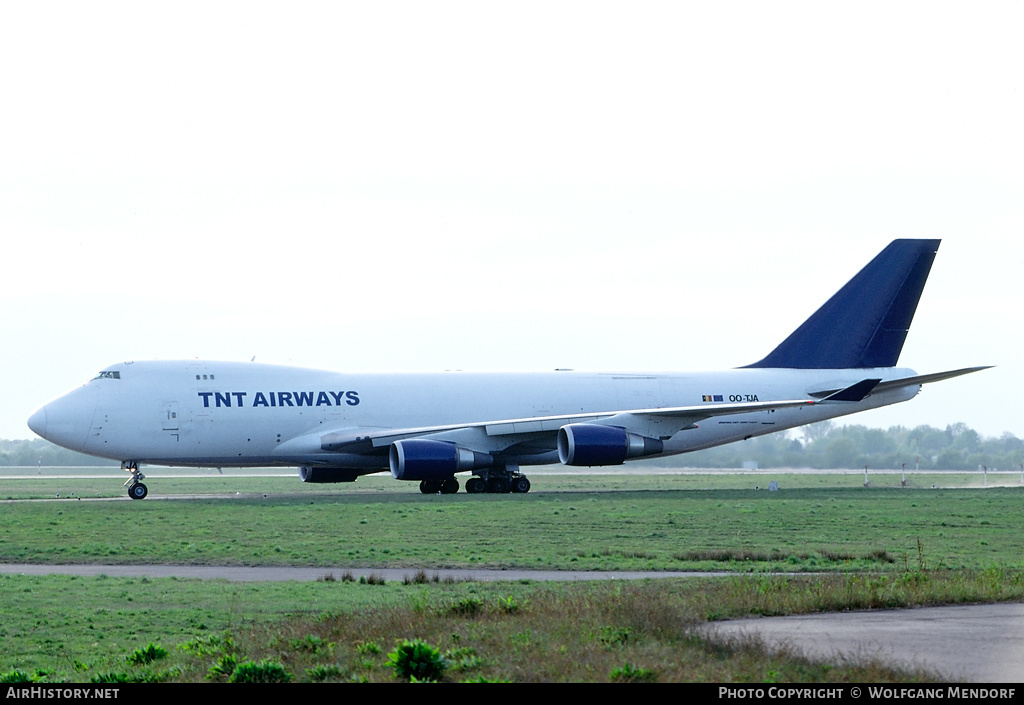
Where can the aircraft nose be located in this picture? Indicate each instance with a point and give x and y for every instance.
(66, 421)
(37, 422)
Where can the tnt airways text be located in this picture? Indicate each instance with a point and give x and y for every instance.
(269, 399)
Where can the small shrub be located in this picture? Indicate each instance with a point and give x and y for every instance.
(466, 607)
(208, 646)
(417, 660)
(312, 644)
(614, 636)
(262, 672)
(322, 672)
(629, 673)
(463, 658)
(224, 667)
(421, 578)
(881, 555)
(145, 676)
(369, 648)
(112, 677)
(508, 605)
(149, 654)
(16, 676)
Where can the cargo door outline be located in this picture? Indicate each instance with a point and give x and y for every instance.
(169, 422)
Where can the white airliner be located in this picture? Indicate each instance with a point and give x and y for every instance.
(430, 427)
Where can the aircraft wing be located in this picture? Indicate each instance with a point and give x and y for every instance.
(657, 421)
(539, 433)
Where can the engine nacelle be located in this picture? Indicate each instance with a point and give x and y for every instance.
(424, 459)
(594, 444)
(308, 473)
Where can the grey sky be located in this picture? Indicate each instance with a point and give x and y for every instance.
(425, 186)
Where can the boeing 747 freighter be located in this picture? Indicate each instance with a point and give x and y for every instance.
(429, 428)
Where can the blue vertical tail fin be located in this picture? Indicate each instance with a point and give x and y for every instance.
(865, 323)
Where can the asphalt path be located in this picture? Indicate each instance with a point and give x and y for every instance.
(974, 643)
(285, 573)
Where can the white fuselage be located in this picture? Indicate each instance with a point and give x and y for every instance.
(194, 413)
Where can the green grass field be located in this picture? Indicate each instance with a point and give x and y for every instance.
(621, 522)
(880, 546)
(74, 629)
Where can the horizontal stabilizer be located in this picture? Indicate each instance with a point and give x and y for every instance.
(860, 390)
(855, 392)
(925, 379)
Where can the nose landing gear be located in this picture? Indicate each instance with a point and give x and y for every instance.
(136, 490)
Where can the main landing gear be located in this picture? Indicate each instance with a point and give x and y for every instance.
(449, 486)
(136, 490)
(499, 480)
(490, 481)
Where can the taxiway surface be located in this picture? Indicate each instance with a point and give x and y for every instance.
(975, 643)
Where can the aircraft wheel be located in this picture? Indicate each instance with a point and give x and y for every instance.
(521, 485)
(430, 486)
(450, 486)
(476, 485)
(497, 485)
(138, 491)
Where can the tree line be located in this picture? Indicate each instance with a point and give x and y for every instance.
(822, 445)
(826, 445)
(37, 452)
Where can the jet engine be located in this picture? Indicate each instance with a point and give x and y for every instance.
(308, 473)
(593, 444)
(424, 459)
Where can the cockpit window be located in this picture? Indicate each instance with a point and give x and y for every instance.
(108, 374)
